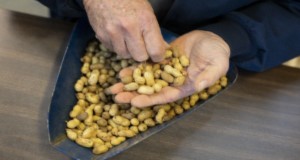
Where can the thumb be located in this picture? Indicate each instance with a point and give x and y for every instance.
(207, 78)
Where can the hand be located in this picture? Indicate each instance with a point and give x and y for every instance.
(128, 27)
(209, 60)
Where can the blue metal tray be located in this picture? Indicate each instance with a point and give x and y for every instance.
(63, 98)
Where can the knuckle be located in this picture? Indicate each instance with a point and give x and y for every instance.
(111, 30)
(127, 24)
(148, 16)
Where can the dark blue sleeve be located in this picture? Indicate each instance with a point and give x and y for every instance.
(261, 35)
(65, 8)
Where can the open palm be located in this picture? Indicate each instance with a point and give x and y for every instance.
(209, 60)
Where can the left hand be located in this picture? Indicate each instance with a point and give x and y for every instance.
(128, 27)
(209, 60)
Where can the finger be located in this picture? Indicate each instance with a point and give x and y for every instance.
(136, 46)
(166, 95)
(208, 77)
(126, 72)
(105, 41)
(182, 45)
(125, 97)
(167, 45)
(115, 89)
(154, 42)
(119, 45)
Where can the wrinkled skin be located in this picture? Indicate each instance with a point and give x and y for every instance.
(128, 27)
(209, 60)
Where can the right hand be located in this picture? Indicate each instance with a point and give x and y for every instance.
(128, 27)
(209, 60)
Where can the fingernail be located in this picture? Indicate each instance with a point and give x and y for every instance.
(157, 58)
(202, 85)
(142, 58)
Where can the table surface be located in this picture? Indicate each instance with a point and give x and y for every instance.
(258, 118)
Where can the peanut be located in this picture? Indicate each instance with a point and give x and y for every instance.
(144, 114)
(161, 82)
(142, 127)
(102, 122)
(82, 116)
(134, 121)
(131, 86)
(184, 61)
(203, 95)
(157, 73)
(89, 132)
(178, 109)
(126, 133)
(167, 77)
(135, 110)
(116, 141)
(121, 121)
(149, 77)
(127, 79)
(97, 142)
(159, 116)
(149, 122)
(93, 79)
(168, 53)
(99, 149)
(79, 85)
(113, 110)
(178, 81)
(96, 66)
(128, 115)
(145, 90)
(89, 120)
(71, 134)
(84, 142)
(135, 129)
(77, 109)
(98, 109)
(157, 87)
(92, 98)
(186, 105)
(81, 126)
(172, 71)
(140, 80)
(194, 99)
(85, 68)
(73, 123)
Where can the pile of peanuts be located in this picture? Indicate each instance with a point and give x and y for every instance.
(99, 123)
(149, 78)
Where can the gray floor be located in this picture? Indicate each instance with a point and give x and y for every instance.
(33, 7)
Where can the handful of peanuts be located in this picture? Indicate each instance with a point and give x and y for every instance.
(149, 78)
(99, 123)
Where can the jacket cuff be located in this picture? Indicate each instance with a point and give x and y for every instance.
(233, 34)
